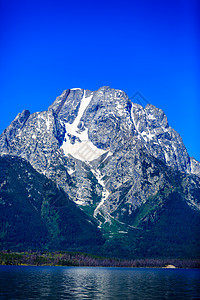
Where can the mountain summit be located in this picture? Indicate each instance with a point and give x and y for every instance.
(121, 163)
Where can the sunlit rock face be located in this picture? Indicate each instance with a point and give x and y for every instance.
(109, 154)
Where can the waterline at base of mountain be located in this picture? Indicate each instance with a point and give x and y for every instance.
(62, 258)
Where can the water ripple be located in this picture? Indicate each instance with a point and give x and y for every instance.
(98, 283)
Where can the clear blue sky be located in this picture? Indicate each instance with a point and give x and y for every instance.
(146, 46)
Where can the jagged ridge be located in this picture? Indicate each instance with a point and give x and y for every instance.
(109, 155)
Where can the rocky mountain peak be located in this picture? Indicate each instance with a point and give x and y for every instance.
(106, 152)
(121, 163)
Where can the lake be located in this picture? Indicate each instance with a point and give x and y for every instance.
(25, 282)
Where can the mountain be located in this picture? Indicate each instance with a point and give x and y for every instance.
(120, 163)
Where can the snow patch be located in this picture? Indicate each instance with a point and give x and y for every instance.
(72, 128)
(120, 109)
(79, 202)
(38, 124)
(48, 123)
(82, 149)
(151, 117)
(70, 171)
(148, 136)
(133, 119)
(105, 193)
(167, 159)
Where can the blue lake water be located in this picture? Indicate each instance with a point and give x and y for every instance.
(17, 282)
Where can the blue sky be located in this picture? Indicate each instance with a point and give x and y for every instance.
(146, 46)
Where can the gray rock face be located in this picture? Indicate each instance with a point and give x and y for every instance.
(13, 130)
(107, 153)
(195, 166)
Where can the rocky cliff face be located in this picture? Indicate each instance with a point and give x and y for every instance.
(109, 154)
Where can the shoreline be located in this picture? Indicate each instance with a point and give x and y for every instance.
(79, 259)
(116, 267)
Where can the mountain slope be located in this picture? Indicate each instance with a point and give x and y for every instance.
(35, 214)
